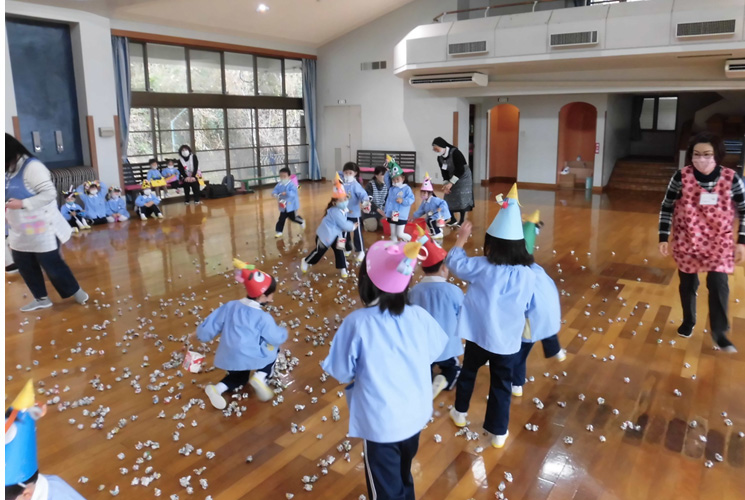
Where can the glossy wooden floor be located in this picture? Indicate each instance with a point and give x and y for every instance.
(151, 282)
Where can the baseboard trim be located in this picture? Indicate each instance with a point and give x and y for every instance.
(492, 180)
(538, 186)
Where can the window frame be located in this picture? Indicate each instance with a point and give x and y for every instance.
(655, 113)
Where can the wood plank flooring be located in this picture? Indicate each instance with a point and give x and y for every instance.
(103, 367)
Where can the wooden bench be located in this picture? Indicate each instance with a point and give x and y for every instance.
(134, 174)
(367, 160)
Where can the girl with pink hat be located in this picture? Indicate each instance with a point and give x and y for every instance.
(384, 352)
(433, 209)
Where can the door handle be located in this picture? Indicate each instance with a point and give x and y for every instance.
(58, 140)
(36, 139)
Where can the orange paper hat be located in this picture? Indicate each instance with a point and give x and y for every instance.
(339, 193)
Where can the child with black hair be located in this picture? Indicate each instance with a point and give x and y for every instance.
(92, 193)
(492, 320)
(116, 207)
(330, 234)
(72, 212)
(156, 180)
(443, 301)
(146, 203)
(433, 209)
(249, 337)
(384, 352)
(286, 193)
(357, 199)
(377, 193)
(398, 205)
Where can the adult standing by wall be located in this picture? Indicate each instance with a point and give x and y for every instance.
(701, 202)
(458, 188)
(188, 168)
(36, 227)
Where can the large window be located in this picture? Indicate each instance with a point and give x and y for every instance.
(241, 114)
(659, 113)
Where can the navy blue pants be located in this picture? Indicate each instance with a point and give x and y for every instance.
(551, 348)
(388, 469)
(450, 369)
(239, 378)
(30, 265)
(432, 225)
(355, 236)
(500, 386)
(283, 216)
(315, 256)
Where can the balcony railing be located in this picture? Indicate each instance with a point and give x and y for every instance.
(521, 7)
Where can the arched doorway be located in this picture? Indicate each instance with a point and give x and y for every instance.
(504, 134)
(577, 136)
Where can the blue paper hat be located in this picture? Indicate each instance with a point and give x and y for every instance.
(20, 437)
(508, 224)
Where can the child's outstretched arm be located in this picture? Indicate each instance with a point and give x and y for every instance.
(212, 326)
(457, 261)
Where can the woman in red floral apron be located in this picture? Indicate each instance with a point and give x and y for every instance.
(701, 203)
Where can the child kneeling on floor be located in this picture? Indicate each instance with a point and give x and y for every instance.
(442, 300)
(384, 352)
(147, 203)
(249, 337)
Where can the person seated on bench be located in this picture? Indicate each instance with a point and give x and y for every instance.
(156, 180)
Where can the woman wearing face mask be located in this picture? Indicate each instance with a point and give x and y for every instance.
(458, 188)
(701, 203)
(36, 227)
(188, 167)
(377, 192)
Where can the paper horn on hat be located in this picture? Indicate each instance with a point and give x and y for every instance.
(507, 225)
(20, 437)
(338, 193)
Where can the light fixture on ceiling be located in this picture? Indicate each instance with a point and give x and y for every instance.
(262, 8)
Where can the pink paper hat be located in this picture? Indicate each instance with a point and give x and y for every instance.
(391, 265)
(427, 184)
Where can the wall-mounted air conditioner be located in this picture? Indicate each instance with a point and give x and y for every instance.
(706, 28)
(449, 81)
(577, 39)
(735, 68)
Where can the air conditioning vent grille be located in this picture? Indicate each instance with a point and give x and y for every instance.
(737, 67)
(578, 38)
(706, 28)
(454, 79)
(374, 65)
(467, 48)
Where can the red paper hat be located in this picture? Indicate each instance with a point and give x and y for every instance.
(255, 281)
(435, 253)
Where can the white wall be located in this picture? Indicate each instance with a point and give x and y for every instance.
(94, 64)
(394, 116)
(539, 134)
(617, 132)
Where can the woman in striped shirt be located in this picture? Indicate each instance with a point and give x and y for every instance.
(701, 203)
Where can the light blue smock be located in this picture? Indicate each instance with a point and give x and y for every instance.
(443, 301)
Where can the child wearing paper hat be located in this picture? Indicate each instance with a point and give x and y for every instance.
(22, 478)
(384, 352)
(330, 234)
(543, 317)
(249, 337)
(116, 207)
(492, 319)
(398, 205)
(434, 209)
(443, 301)
(92, 193)
(72, 212)
(147, 203)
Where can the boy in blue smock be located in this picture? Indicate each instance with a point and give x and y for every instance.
(330, 234)
(397, 206)
(156, 180)
(72, 212)
(116, 206)
(286, 193)
(543, 317)
(146, 203)
(433, 209)
(384, 352)
(92, 195)
(443, 301)
(22, 478)
(249, 337)
(492, 319)
(358, 199)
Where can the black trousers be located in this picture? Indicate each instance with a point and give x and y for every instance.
(355, 236)
(450, 369)
(718, 298)
(462, 214)
(500, 387)
(97, 221)
(30, 267)
(551, 348)
(283, 216)
(315, 256)
(432, 225)
(191, 187)
(75, 221)
(238, 378)
(388, 469)
(148, 211)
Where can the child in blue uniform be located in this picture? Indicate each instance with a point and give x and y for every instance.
(384, 352)
(357, 198)
(286, 193)
(116, 206)
(543, 315)
(443, 301)
(492, 319)
(433, 209)
(92, 194)
(170, 174)
(399, 202)
(156, 180)
(72, 212)
(147, 203)
(330, 234)
(249, 337)
(22, 478)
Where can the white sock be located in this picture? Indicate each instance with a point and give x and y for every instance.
(221, 387)
(260, 375)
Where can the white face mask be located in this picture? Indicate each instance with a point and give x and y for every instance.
(349, 178)
(442, 152)
(72, 202)
(93, 192)
(398, 184)
(284, 181)
(184, 153)
(147, 192)
(115, 196)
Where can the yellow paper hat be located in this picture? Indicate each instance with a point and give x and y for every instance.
(534, 218)
(25, 398)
